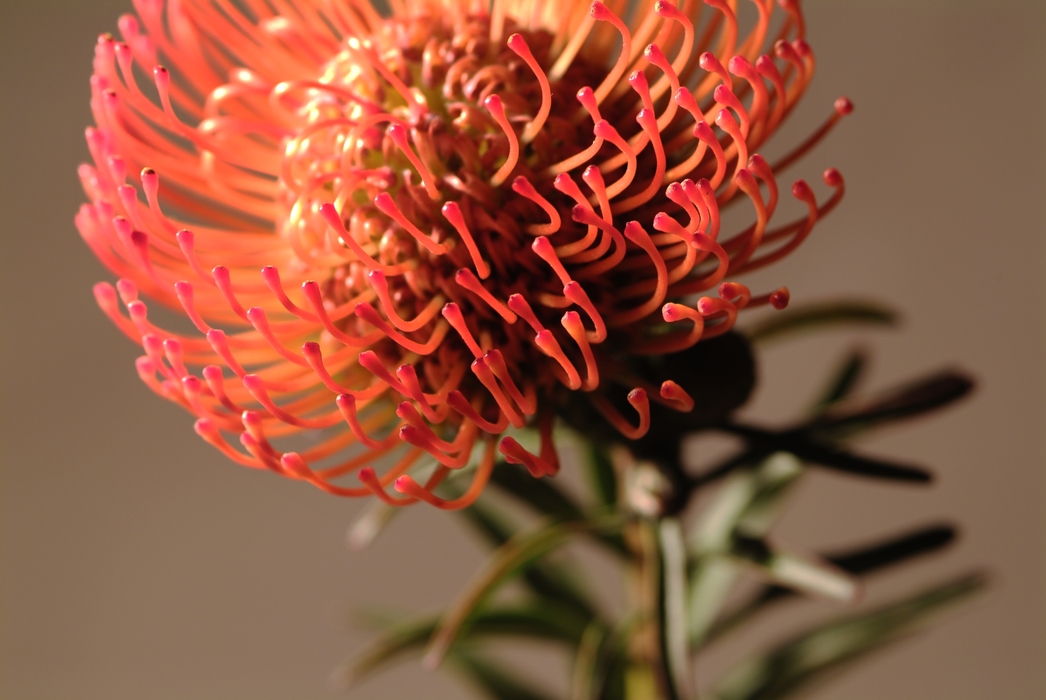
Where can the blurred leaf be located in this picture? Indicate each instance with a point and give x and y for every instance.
(507, 561)
(805, 658)
(750, 500)
(541, 620)
(863, 560)
(815, 316)
(843, 381)
(826, 455)
(493, 680)
(584, 680)
(774, 478)
(602, 475)
(540, 494)
(800, 573)
(543, 578)
(369, 525)
(674, 616)
(910, 400)
(545, 498)
(611, 663)
(895, 549)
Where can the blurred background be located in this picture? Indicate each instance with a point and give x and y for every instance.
(135, 562)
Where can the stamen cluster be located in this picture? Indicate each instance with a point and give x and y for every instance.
(460, 214)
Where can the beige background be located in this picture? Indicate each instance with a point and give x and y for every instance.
(137, 563)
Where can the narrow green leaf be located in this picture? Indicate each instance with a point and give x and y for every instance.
(817, 578)
(543, 578)
(584, 680)
(862, 560)
(540, 494)
(540, 619)
(803, 659)
(913, 399)
(844, 380)
(602, 475)
(815, 316)
(894, 549)
(748, 502)
(828, 455)
(608, 672)
(507, 561)
(674, 613)
(493, 680)
(369, 525)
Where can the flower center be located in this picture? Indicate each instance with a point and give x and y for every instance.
(398, 181)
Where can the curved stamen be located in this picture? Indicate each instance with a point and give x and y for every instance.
(333, 219)
(222, 280)
(497, 110)
(609, 133)
(452, 213)
(653, 54)
(746, 183)
(588, 100)
(271, 276)
(256, 315)
(600, 12)
(387, 205)
(186, 241)
(515, 453)
(724, 96)
(638, 235)
(256, 387)
(576, 293)
(467, 280)
(571, 321)
(639, 400)
(408, 376)
(369, 478)
(709, 307)
(496, 362)
(406, 485)
(313, 356)
(566, 57)
(710, 64)
(398, 133)
(459, 403)
(487, 378)
(347, 407)
(220, 345)
(215, 378)
(548, 344)
(206, 429)
(184, 291)
(380, 285)
(519, 304)
(519, 46)
(677, 397)
(842, 108)
(452, 312)
(522, 186)
(546, 252)
(408, 433)
(649, 125)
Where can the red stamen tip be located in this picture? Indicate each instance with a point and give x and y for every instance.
(780, 298)
(599, 11)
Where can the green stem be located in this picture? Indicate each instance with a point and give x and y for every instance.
(647, 677)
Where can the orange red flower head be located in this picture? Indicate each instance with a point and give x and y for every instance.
(405, 234)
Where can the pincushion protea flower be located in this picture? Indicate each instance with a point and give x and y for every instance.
(405, 234)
